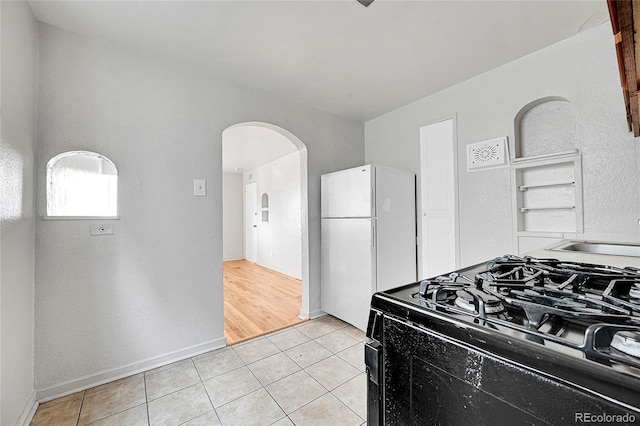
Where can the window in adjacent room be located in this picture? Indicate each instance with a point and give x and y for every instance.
(82, 183)
(265, 207)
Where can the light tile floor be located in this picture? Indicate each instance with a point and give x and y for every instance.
(309, 374)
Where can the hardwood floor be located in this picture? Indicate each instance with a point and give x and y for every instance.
(258, 301)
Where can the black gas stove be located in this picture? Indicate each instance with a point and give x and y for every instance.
(511, 341)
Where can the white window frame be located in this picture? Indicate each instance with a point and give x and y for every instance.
(50, 183)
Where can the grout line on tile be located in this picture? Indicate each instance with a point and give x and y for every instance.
(247, 394)
(146, 398)
(120, 412)
(202, 415)
(241, 396)
(237, 354)
(247, 341)
(317, 381)
(310, 402)
(285, 417)
(207, 391)
(198, 373)
(279, 406)
(171, 393)
(336, 397)
(296, 345)
(84, 393)
(276, 401)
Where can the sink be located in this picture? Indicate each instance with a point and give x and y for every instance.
(614, 249)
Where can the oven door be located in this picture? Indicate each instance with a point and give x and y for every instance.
(431, 379)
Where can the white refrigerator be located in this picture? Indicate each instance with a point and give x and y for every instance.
(368, 238)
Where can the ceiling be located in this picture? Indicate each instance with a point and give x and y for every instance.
(335, 55)
(247, 147)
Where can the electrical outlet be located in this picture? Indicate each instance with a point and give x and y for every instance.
(101, 230)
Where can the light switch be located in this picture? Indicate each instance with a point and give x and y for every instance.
(200, 187)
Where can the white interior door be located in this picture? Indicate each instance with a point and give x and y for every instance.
(438, 215)
(251, 222)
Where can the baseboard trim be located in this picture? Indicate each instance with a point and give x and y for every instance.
(29, 410)
(317, 314)
(86, 382)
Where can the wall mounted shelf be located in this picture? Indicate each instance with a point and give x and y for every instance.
(546, 185)
(527, 209)
(548, 196)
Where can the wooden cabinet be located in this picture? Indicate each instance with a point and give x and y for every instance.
(622, 13)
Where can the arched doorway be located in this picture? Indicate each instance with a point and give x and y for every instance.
(268, 164)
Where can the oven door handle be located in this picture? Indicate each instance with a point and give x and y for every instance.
(372, 355)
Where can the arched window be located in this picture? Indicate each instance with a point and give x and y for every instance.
(265, 207)
(82, 183)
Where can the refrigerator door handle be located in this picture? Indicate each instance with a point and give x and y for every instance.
(373, 233)
(373, 203)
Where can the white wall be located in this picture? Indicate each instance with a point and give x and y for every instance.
(17, 153)
(582, 69)
(279, 240)
(232, 216)
(107, 306)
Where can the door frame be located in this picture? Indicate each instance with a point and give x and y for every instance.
(310, 291)
(250, 229)
(421, 196)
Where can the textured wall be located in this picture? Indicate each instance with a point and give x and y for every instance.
(233, 217)
(106, 306)
(279, 240)
(546, 128)
(583, 70)
(17, 152)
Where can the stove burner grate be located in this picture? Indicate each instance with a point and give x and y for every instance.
(590, 308)
(470, 300)
(627, 342)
